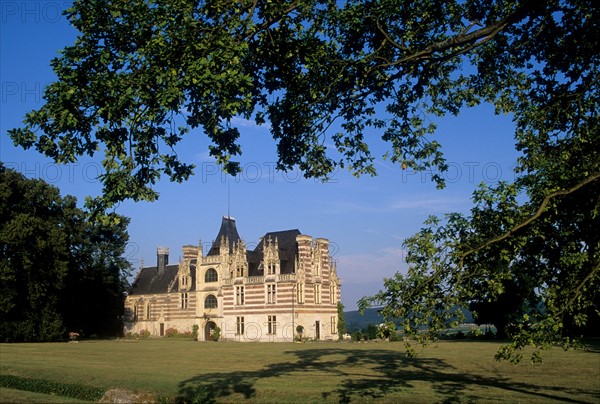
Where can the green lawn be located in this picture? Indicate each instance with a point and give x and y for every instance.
(454, 371)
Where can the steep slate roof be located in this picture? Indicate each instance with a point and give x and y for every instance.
(288, 249)
(150, 281)
(229, 230)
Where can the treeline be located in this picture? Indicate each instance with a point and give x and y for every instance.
(60, 270)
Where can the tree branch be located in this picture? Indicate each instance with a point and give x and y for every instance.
(472, 40)
(535, 216)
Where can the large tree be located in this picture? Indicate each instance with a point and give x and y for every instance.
(531, 269)
(59, 270)
(145, 73)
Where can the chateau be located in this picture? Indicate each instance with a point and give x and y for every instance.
(286, 287)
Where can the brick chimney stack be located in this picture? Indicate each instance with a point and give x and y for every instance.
(162, 258)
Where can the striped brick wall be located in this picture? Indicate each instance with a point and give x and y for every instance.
(266, 316)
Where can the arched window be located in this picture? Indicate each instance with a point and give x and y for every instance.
(210, 302)
(211, 275)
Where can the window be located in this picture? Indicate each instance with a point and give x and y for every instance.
(317, 294)
(239, 270)
(271, 293)
(270, 268)
(332, 293)
(210, 302)
(300, 293)
(239, 325)
(272, 324)
(211, 275)
(135, 312)
(148, 311)
(184, 300)
(239, 295)
(333, 325)
(317, 260)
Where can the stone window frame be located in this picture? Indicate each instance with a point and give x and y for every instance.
(239, 325)
(239, 295)
(184, 300)
(212, 304)
(214, 275)
(271, 325)
(300, 293)
(271, 289)
(317, 296)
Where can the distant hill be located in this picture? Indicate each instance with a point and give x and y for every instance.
(355, 321)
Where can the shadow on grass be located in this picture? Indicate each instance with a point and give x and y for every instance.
(366, 375)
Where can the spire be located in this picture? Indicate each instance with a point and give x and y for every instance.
(227, 231)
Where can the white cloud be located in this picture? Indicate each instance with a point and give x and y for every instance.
(429, 206)
(205, 157)
(362, 274)
(434, 205)
(359, 268)
(248, 123)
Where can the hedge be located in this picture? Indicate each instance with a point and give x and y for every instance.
(76, 391)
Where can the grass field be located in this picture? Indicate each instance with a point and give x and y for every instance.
(454, 371)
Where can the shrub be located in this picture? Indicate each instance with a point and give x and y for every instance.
(171, 332)
(371, 332)
(144, 334)
(216, 334)
(195, 328)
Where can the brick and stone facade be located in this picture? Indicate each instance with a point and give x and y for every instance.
(286, 287)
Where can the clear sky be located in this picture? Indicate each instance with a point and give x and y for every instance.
(365, 219)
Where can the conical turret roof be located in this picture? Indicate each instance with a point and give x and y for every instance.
(227, 230)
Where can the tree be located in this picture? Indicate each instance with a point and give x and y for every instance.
(34, 260)
(341, 323)
(144, 73)
(59, 270)
(502, 309)
(539, 264)
(97, 278)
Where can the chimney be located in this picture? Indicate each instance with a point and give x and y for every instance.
(190, 252)
(162, 258)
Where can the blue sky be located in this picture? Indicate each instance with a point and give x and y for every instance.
(366, 219)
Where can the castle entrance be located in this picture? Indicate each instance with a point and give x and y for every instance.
(209, 330)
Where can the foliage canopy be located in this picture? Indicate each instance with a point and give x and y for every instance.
(144, 73)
